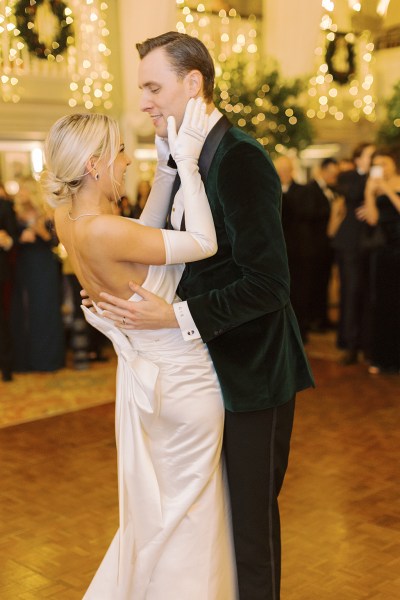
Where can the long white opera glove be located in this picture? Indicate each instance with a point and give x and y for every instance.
(199, 240)
(155, 211)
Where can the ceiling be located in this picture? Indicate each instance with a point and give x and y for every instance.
(246, 7)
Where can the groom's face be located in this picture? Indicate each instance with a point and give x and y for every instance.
(163, 92)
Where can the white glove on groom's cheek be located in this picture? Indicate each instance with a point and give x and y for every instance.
(188, 142)
(199, 241)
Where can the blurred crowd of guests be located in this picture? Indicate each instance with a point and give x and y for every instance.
(348, 215)
(31, 322)
(40, 315)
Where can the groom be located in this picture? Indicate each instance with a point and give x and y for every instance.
(237, 301)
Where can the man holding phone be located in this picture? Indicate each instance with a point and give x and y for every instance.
(376, 172)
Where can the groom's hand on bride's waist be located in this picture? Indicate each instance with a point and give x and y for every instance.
(152, 312)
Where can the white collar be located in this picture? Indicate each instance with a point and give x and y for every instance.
(213, 118)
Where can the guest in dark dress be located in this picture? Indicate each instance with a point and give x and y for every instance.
(320, 195)
(8, 237)
(352, 258)
(382, 209)
(143, 191)
(125, 208)
(297, 213)
(36, 321)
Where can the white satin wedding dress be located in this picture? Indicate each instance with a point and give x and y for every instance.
(174, 539)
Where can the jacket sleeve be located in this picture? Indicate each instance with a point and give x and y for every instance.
(249, 193)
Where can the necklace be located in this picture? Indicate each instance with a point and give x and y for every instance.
(84, 215)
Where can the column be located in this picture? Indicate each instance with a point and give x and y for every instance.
(138, 20)
(291, 34)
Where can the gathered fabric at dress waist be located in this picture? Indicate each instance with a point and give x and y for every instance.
(166, 345)
(157, 341)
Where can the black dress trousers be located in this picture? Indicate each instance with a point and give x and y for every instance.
(256, 449)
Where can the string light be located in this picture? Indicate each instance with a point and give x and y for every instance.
(335, 88)
(355, 5)
(233, 35)
(81, 46)
(10, 54)
(91, 80)
(255, 101)
(382, 7)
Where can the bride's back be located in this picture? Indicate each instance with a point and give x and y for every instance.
(91, 258)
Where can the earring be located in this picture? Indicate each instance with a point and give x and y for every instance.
(97, 177)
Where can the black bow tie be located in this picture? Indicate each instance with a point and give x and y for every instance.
(171, 163)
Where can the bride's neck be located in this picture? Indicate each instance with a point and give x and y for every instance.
(87, 202)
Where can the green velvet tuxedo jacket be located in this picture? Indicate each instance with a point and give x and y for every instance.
(239, 298)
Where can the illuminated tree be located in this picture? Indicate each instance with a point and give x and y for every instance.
(264, 105)
(389, 132)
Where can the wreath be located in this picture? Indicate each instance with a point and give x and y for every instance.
(342, 76)
(25, 13)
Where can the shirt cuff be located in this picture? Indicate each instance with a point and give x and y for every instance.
(185, 321)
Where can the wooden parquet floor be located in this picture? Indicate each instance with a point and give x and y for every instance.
(340, 502)
(32, 396)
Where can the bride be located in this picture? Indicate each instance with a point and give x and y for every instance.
(173, 541)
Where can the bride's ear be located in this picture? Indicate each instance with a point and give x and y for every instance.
(91, 168)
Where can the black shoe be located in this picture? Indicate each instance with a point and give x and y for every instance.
(350, 357)
(6, 375)
(377, 370)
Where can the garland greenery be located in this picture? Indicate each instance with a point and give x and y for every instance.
(342, 77)
(263, 105)
(25, 12)
(389, 131)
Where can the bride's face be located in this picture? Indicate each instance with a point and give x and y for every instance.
(122, 161)
(114, 187)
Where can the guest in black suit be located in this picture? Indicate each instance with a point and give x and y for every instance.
(346, 164)
(320, 195)
(297, 228)
(8, 236)
(352, 260)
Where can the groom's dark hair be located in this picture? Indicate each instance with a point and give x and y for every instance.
(186, 53)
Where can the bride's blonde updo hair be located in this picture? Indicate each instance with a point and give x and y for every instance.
(70, 144)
